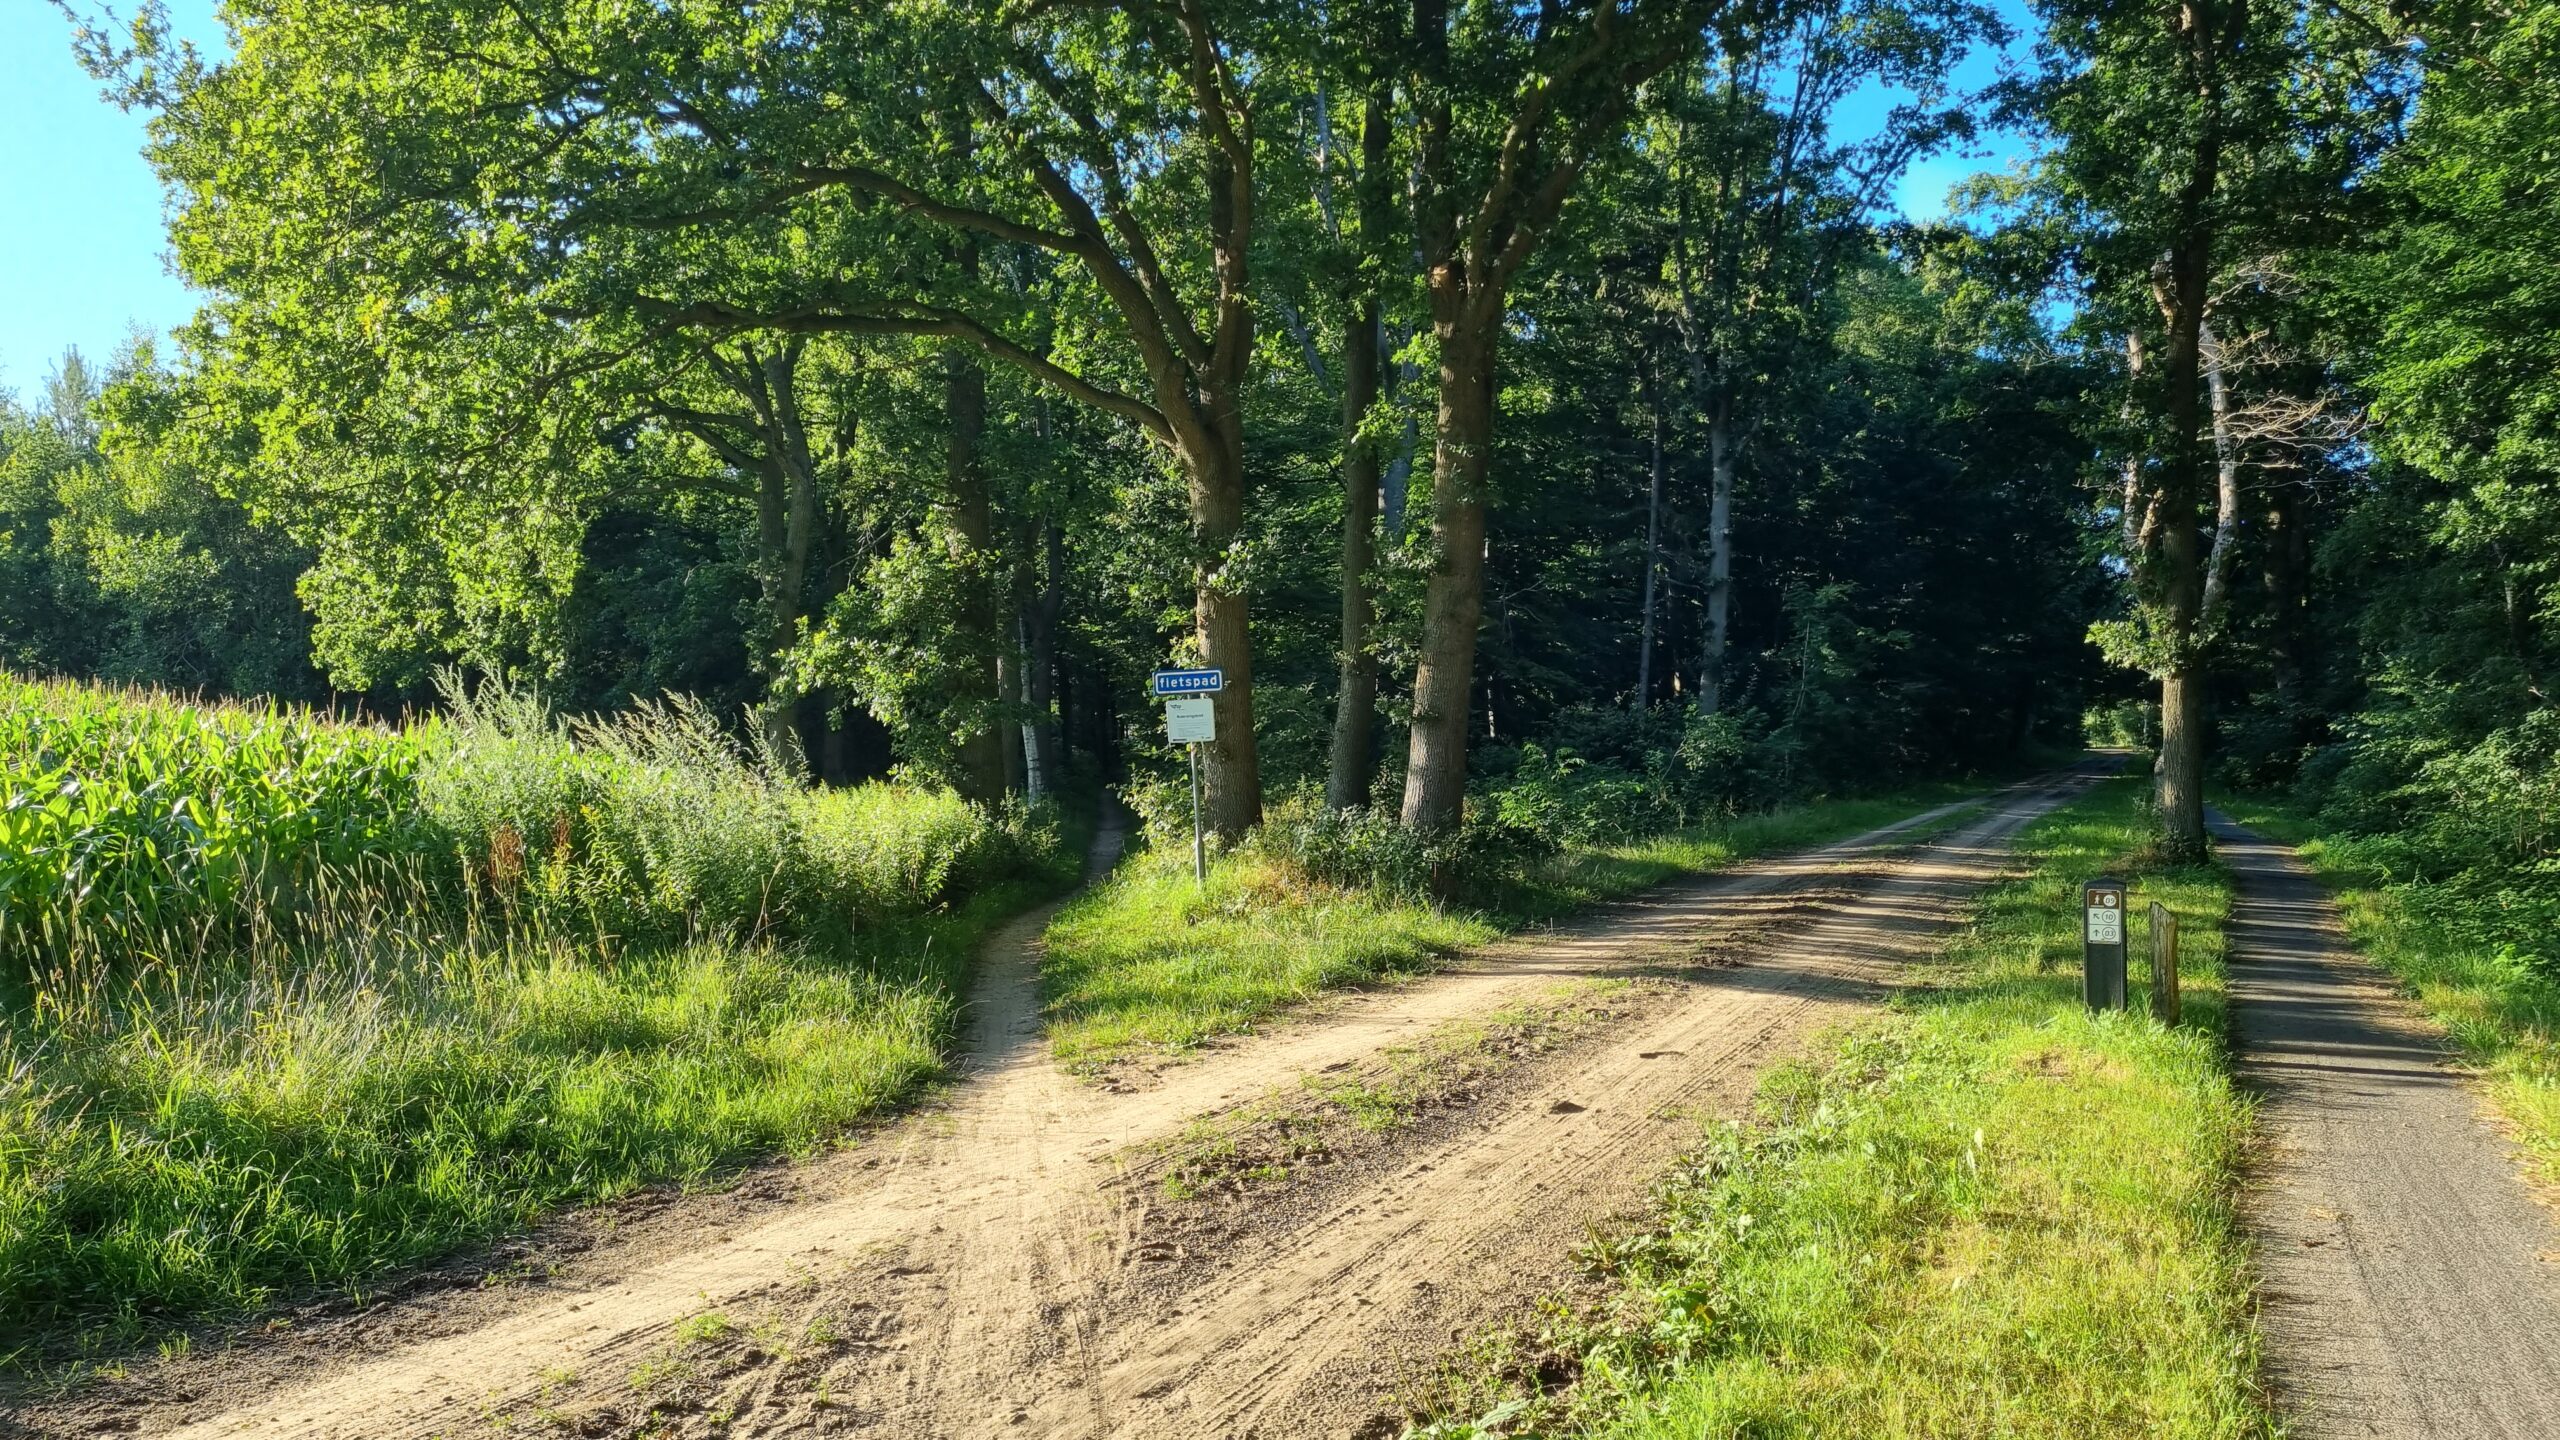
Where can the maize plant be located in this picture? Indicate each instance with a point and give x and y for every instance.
(125, 814)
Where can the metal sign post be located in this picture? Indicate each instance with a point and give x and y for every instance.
(2102, 944)
(1191, 720)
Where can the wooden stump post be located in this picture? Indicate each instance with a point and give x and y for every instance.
(2164, 963)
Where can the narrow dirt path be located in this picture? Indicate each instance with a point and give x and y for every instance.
(981, 1267)
(2411, 1287)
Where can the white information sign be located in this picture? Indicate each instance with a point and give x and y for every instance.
(2106, 922)
(1189, 718)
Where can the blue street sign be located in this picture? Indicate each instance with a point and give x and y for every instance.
(1190, 682)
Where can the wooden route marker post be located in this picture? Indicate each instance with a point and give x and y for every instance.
(2164, 963)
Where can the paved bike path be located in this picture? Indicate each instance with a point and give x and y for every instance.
(2411, 1285)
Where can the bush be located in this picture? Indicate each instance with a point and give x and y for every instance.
(656, 822)
(1368, 849)
(2127, 724)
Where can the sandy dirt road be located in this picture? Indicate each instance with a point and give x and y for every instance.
(989, 1266)
(2410, 1284)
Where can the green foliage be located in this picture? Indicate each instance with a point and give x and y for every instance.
(1369, 850)
(121, 558)
(126, 816)
(2421, 735)
(2127, 724)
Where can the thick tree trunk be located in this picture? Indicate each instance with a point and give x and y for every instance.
(787, 514)
(1231, 765)
(2181, 560)
(2180, 772)
(1435, 784)
(982, 748)
(778, 716)
(1720, 462)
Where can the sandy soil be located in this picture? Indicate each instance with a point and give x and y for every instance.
(2411, 1286)
(989, 1266)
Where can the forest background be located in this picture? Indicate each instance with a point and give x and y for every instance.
(1510, 399)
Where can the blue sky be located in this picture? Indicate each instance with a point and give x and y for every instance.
(83, 252)
(82, 249)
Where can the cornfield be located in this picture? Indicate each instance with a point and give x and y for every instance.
(125, 814)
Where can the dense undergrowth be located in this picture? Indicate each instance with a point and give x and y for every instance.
(1989, 1212)
(1153, 962)
(292, 1002)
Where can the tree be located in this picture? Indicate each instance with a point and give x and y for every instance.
(2188, 135)
(1765, 203)
(574, 188)
(1510, 112)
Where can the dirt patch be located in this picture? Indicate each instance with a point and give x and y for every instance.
(1354, 1109)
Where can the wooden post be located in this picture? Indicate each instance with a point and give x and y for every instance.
(2164, 963)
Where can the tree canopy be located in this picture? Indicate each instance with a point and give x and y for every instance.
(1475, 384)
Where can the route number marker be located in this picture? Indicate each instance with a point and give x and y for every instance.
(2102, 944)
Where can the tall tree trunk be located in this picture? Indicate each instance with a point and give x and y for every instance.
(1231, 765)
(983, 748)
(2284, 574)
(1040, 727)
(787, 513)
(1349, 767)
(1435, 781)
(2184, 579)
(778, 716)
(1471, 246)
(2181, 555)
(1720, 464)
(1652, 544)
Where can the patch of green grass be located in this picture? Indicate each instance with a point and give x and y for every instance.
(1988, 1212)
(1153, 962)
(2500, 1006)
(704, 1328)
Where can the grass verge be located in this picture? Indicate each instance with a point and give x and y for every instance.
(1987, 1212)
(2500, 1005)
(1151, 962)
